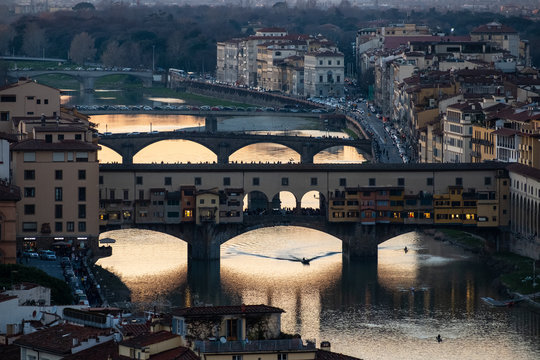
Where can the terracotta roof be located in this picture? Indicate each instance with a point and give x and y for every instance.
(134, 329)
(25, 82)
(329, 355)
(59, 339)
(41, 145)
(10, 352)
(9, 192)
(179, 353)
(493, 28)
(227, 310)
(505, 132)
(105, 351)
(8, 137)
(525, 170)
(148, 339)
(5, 297)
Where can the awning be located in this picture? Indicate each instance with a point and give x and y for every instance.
(61, 243)
(107, 241)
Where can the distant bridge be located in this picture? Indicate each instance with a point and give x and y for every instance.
(225, 144)
(86, 78)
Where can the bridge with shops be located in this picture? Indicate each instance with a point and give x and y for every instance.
(224, 144)
(329, 182)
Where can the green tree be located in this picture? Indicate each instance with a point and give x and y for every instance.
(34, 40)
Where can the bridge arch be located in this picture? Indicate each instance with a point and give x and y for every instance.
(109, 155)
(252, 152)
(284, 201)
(256, 202)
(313, 202)
(180, 150)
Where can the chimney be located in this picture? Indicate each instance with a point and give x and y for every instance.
(325, 345)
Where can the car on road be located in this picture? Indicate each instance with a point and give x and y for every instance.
(31, 254)
(47, 255)
(134, 133)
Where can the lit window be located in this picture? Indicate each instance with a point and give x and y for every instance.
(188, 213)
(411, 215)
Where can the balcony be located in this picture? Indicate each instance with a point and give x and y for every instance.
(253, 346)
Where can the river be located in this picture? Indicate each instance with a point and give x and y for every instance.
(389, 308)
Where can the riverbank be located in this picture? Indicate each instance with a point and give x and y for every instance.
(514, 272)
(113, 289)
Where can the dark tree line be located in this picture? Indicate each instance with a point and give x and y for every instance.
(185, 37)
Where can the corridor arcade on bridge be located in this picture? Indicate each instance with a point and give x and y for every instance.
(204, 204)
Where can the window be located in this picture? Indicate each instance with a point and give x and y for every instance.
(180, 328)
(487, 180)
(58, 226)
(281, 356)
(58, 157)
(314, 181)
(401, 181)
(237, 357)
(141, 194)
(339, 62)
(70, 226)
(213, 201)
(58, 211)
(112, 193)
(29, 192)
(4, 116)
(459, 181)
(70, 156)
(81, 156)
(101, 179)
(226, 181)
(29, 174)
(126, 194)
(232, 328)
(29, 157)
(48, 138)
(46, 101)
(338, 78)
(82, 211)
(320, 62)
(329, 62)
(372, 182)
(256, 181)
(58, 174)
(82, 194)
(198, 181)
(139, 180)
(429, 181)
(320, 78)
(8, 98)
(60, 137)
(284, 181)
(82, 226)
(82, 174)
(201, 201)
(29, 226)
(29, 209)
(58, 194)
(168, 180)
(78, 137)
(342, 182)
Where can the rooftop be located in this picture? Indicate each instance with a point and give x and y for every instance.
(147, 339)
(42, 145)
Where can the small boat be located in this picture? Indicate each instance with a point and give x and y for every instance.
(501, 303)
(305, 261)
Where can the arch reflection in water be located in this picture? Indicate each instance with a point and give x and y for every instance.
(150, 263)
(264, 267)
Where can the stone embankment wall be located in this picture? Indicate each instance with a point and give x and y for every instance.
(241, 95)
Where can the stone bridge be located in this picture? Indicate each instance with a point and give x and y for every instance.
(225, 144)
(358, 241)
(86, 78)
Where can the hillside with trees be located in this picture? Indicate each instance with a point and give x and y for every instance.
(185, 36)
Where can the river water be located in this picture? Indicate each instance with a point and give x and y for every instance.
(389, 308)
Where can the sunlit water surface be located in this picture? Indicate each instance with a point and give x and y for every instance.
(181, 151)
(387, 309)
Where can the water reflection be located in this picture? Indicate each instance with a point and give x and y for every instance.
(367, 309)
(180, 151)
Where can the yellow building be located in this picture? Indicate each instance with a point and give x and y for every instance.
(483, 144)
(27, 99)
(57, 170)
(207, 207)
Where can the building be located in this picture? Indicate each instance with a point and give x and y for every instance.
(57, 169)
(59, 341)
(26, 99)
(525, 210)
(503, 36)
(324, 74)
(9, 195)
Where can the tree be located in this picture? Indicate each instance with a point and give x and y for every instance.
(110, 56)
(82, 48)
(83, 6)
(7, 33)
(33, 40)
